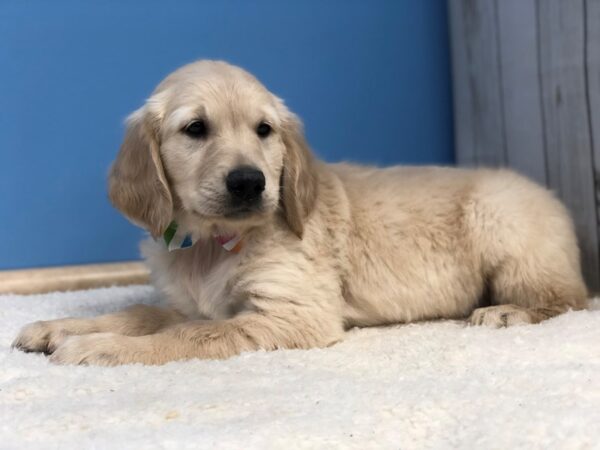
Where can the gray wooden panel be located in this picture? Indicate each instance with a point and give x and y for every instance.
(477, 86)
(524, 132)
(463, 138)
(593, 84)
(566, 121)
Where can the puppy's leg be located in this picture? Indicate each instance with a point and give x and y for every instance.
(199, 339)
(529, 291)
(137, 320)
(528, 250)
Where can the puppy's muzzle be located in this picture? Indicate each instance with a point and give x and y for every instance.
(245, 185)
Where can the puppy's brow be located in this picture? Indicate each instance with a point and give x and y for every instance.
(183, 115)
(270, 116)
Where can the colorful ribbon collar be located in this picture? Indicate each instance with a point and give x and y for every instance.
(176, 238)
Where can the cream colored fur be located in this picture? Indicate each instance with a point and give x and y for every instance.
(335, 245)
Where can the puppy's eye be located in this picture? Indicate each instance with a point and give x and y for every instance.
(197, 129)
(263, 129)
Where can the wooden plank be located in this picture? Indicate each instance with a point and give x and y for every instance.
(593, 87)
(463, 137)
(566, 120)
(479, 127)
(523, 123)
(70, 278)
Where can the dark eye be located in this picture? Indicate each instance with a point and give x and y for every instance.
(263, 130)
(197, 129)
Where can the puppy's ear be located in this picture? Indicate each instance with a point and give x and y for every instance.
(299, 176)
(137, 183)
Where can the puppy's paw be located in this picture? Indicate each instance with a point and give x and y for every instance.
(98, 349)
(40, 337)
(501, 316)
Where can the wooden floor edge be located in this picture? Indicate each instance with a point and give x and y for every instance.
(72, 278)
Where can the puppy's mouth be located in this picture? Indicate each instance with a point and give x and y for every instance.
(242, 212)
(229, 212)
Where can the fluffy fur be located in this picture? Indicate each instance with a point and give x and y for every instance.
(332, 246)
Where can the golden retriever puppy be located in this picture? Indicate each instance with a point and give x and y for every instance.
(289, 252)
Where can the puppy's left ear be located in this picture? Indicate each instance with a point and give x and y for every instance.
(299, 177)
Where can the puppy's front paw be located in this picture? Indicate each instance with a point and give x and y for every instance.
(39, 337)
(99, 349)
(500, 316)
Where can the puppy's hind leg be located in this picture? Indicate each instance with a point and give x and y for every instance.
(528, 249)
(529, 291)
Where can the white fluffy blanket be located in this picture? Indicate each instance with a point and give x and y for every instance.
(427, 385)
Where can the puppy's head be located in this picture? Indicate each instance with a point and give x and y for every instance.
(213, 148)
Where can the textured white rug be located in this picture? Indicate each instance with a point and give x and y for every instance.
(430, 385)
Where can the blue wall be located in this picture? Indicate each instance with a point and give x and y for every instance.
(369, 78)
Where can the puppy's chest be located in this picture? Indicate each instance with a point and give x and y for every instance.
(206, 286)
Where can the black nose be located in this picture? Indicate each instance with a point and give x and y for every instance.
(245, 184)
